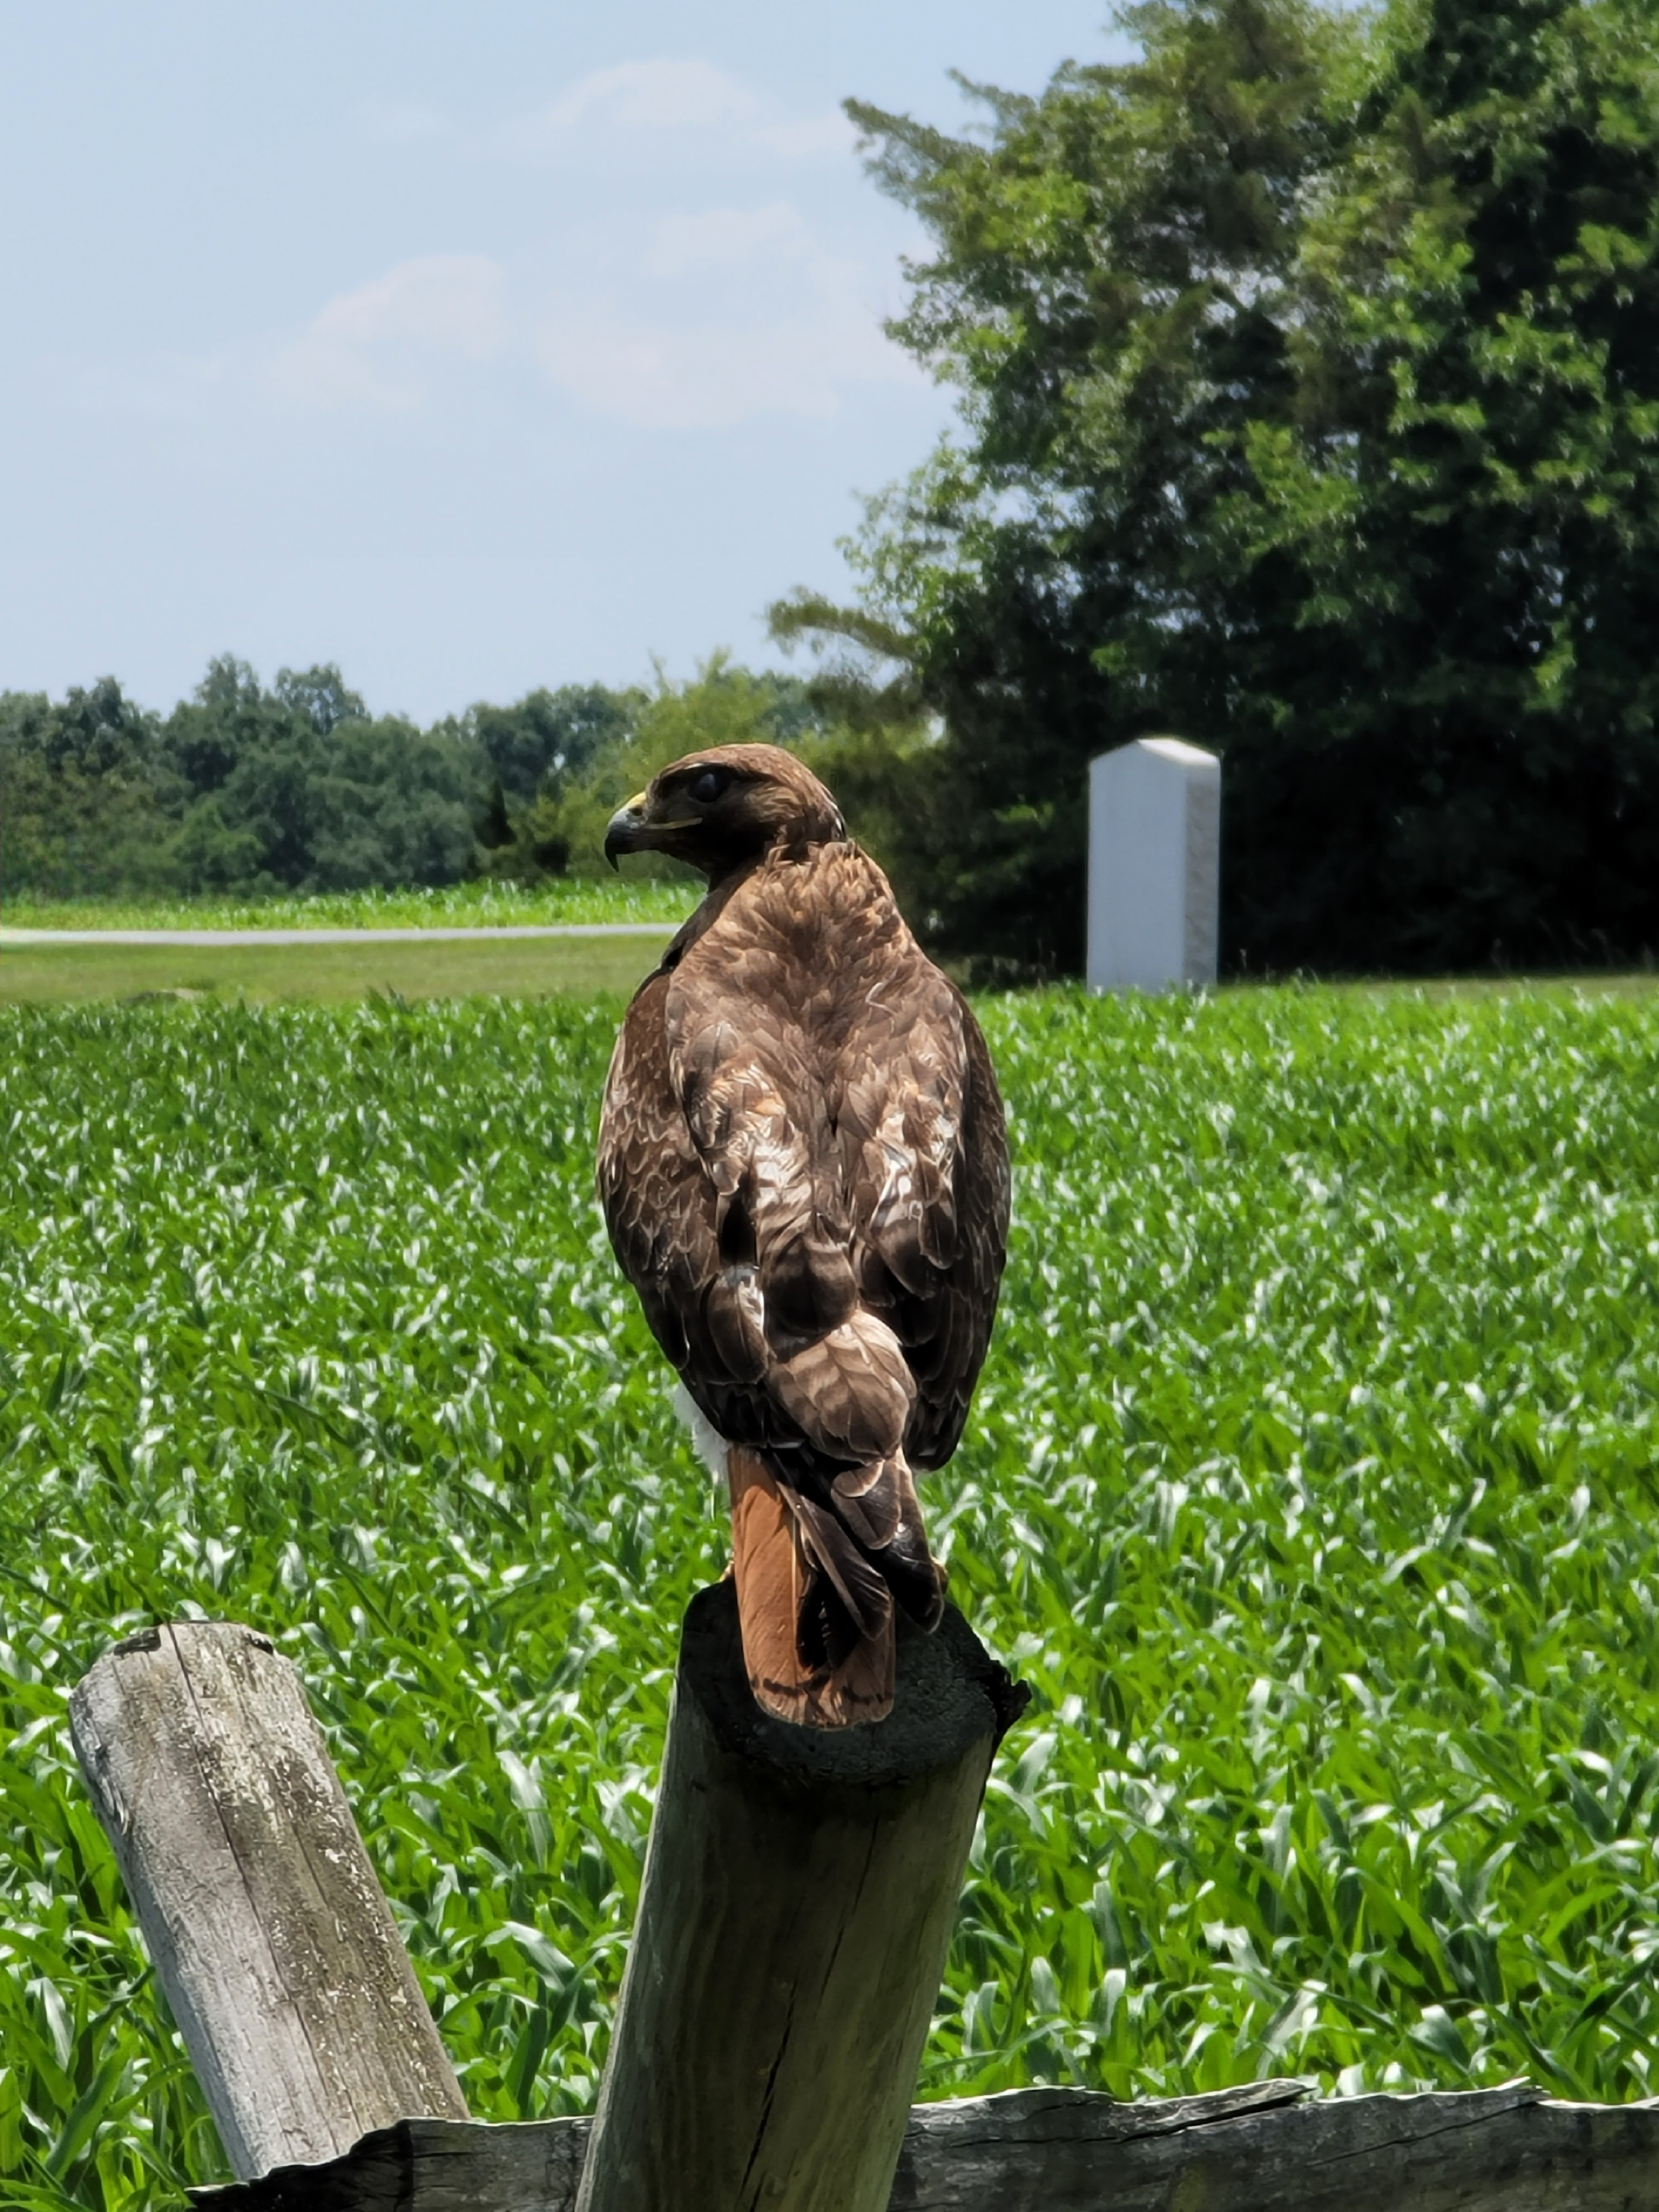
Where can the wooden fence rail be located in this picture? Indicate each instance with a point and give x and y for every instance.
(1266, 2148)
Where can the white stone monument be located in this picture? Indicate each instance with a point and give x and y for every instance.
(1154, 865)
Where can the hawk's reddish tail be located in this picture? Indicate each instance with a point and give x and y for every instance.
(817, 1611)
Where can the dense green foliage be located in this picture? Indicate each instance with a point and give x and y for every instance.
(80, 806)
(1311, 1485)
(249, 792)
(1309, 377)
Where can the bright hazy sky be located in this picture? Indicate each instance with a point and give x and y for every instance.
(474, 347)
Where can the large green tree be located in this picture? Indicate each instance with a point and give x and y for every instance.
(1309, 381)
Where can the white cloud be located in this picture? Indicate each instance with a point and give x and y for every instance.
(660, 99)
(373, 344)
(664, 98)
(656, 96)
(695, 320)
(647, 308)
(668, 375)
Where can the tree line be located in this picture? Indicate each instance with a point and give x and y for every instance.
(248, 789)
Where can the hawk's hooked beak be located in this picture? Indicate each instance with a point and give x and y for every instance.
(625, 831)
(632, 829)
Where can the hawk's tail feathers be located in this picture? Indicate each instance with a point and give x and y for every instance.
(818, 1656)
(878, 1504)
(817, 1585)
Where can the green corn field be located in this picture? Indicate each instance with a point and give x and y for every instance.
(1313, 1485)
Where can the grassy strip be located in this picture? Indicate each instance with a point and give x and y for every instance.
(565, 898)
(1578, 986)
(1310, 1483)
(534, 968)
(68, 975)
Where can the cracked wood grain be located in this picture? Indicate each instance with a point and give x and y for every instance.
(270, 1933)
(794, 1919)
(1258, 2148)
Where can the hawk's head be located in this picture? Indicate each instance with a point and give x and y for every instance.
(722, 809)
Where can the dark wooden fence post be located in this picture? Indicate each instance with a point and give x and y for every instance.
(269, 1932)
(796, 1909)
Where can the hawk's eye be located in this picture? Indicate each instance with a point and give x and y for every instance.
(707, 784)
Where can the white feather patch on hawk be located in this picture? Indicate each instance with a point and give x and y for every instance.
(804, 1173)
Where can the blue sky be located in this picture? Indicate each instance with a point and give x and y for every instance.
(474, 348)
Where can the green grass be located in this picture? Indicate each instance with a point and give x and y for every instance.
(524, 967)
(471, 905)
(1311, 1485)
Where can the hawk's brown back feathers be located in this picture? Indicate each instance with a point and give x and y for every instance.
(804, 1170)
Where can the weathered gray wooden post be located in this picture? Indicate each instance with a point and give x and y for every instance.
(1154, 867)
(794, 1916)
(269, 1932)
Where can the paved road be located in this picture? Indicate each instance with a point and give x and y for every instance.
(210, 938)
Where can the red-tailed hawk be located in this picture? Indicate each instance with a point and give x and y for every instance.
(804, 1173)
